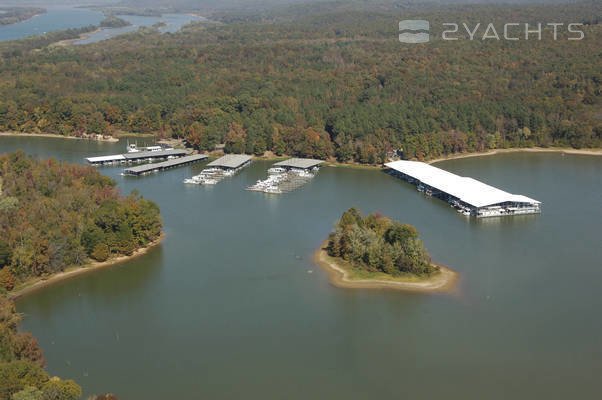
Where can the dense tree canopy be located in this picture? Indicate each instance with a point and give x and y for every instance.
(333, 83)
(375, 243)
(56, 214)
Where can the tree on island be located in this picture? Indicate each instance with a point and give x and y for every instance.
(377, 244)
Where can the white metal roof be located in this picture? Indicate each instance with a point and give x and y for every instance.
(155, 154)
(299, 163)
(116, 157)
(230, 161)
(469, 190)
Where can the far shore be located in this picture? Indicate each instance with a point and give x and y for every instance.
(52, 135)
(270, 156)
(340, 277)
(40, 283)
(24, 20)
(565, 150)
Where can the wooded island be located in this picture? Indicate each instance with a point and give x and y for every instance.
(376, 252)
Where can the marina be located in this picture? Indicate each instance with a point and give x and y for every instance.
(156, 167)
(288, 175)
(511, 269)
(467, 195)
(136, 157)
(219, 169)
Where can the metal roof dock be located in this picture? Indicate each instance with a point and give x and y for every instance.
(140, 155)
(302, 163)
(137, 156)
(467, 194)
(116, 158)
(231, 161)
(176, 162)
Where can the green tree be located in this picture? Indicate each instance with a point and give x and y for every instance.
(57, 389)
(5, 254)
(17, 375)
(101, 252)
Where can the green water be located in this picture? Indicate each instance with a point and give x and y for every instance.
(225, 308)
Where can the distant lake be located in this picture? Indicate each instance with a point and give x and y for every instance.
(173, 24)
(66, 18)
(54, 19)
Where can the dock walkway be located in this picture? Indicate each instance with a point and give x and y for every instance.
(156, 167)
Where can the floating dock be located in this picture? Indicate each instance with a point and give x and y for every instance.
(156, 167)
(288, 175)
(219, 169)
(136, 157)
(467, 195)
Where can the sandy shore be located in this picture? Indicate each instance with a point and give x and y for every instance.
(339, 276)
(83, 36)
(565, 150)
(39, 283)
(51, 135)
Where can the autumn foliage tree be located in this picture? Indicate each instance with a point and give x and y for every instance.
(375, 243)
(56, 214)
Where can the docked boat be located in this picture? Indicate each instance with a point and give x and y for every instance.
(276, 170)
(133, 148)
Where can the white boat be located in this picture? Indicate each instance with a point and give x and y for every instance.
(305, 174)
(272, 189)
(133, 148)
(276, 170)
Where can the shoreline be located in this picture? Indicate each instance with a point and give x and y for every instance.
(83, 36)
(52, 135)
(564, 150)
(39, 283)
(339, 277)
(331, 163)
(23, 20)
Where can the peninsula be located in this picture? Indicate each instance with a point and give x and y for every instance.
(55, 219)
(374, 252)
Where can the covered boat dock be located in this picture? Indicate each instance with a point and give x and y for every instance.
(219, 169)
(176, 162)
(139, 156)
(469, 196)
(288, 175)
(299, 163)
(231, 161)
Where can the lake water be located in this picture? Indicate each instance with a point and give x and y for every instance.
(226, 307)
(54, 19)
(66, 18)
(173, 24)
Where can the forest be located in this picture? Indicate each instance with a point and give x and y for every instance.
(377, 244)
(55, 214)
(329, 81)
